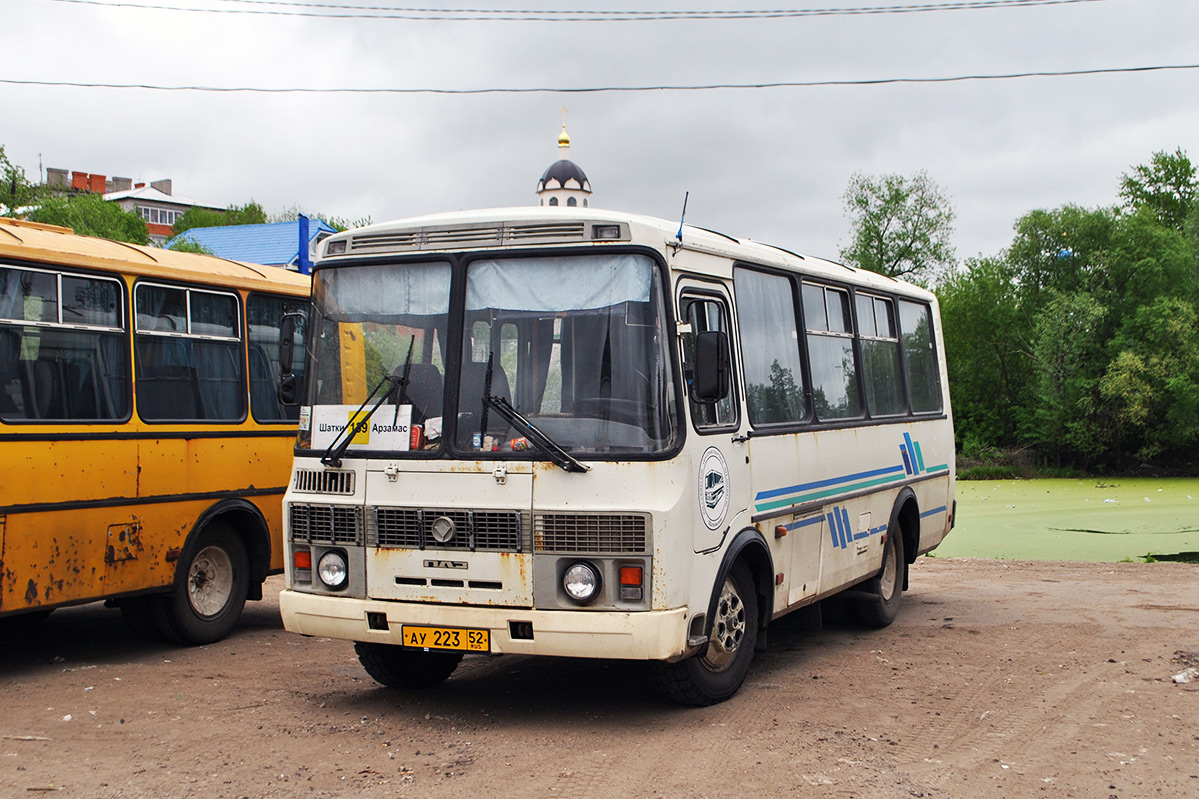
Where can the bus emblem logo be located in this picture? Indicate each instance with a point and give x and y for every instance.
(446, 564)
(713, 488)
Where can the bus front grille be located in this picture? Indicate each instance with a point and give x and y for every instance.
(507, 530)
(313, 481)
(326, 524)
(419, 528)
(620, 533)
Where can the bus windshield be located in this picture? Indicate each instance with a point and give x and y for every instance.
(576, 344)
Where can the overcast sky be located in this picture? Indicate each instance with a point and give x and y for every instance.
(770, 164)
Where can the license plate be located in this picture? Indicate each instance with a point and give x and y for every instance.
(451, 638)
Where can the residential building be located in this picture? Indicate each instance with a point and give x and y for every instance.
(156, 203)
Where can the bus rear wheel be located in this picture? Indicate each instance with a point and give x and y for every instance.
(209, 597)
(396, 667)
(716, 672)
(885, 590)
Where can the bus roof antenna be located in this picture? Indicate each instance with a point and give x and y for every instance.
(679, 236)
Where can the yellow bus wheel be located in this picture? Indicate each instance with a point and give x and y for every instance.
(211, 589)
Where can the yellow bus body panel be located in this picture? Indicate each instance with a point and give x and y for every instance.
(95, 510)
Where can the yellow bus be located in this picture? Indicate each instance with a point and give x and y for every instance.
(143, 448)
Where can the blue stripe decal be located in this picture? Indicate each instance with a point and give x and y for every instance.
(832, 530)
(934, 511)
(778, 492)
(803, 523)
(829, 488)
(846, 527)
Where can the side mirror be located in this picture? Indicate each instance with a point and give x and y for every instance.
(713, 367)
(289, 386)
(287, 342)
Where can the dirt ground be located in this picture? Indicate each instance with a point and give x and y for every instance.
(999, 679)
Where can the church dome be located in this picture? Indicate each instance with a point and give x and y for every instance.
(563, 183)
(564, 174)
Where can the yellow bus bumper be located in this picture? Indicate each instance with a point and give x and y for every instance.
(647, 635)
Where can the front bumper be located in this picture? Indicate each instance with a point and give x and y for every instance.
(646, 635)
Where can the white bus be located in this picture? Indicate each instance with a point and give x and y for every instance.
(563, 431)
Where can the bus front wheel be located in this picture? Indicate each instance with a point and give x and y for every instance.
(209, 597)
(718, 670)
(397, 667)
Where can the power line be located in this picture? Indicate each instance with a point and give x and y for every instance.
(333, 11)
(607, 89)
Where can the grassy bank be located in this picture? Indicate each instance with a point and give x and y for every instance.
(1076, 519)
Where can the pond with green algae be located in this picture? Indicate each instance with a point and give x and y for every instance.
(1094, 520)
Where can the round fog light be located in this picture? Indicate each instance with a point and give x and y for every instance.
(333, 570)
(581, 582)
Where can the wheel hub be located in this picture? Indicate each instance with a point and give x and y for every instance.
(210, 581)
(728, 629)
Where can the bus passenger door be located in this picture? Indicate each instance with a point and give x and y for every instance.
(719, 457)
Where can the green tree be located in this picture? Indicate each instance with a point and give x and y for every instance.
(901, 226)
(187, 245)
(89, 215)
(986, 352)
(1147, 259)
(1059, 251)
(1152, 385)
(16, 192)
(1066, 418)
(1166, 185)
(338, 223)
(249, 214)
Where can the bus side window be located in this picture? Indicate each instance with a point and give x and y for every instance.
(831, 354)
(705, 314)
(920, 357)
(72, 365)
(264, 316)
(11, 401)
(774, 379)
(188, 352)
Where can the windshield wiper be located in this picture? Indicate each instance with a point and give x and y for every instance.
(341, 443)
(530, 431)
(399, 391)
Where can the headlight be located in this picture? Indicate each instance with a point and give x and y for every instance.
(581, 581)
(332, 569)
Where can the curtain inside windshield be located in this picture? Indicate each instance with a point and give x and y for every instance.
(576, 344)
(380, 322)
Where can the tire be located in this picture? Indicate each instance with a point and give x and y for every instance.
(396, 667)
(886, 588)
(210, 590)
(715, 673)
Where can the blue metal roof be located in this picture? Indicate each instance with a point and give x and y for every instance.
(271, 244)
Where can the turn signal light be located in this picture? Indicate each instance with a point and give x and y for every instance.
(302, 560)
(630, 583)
